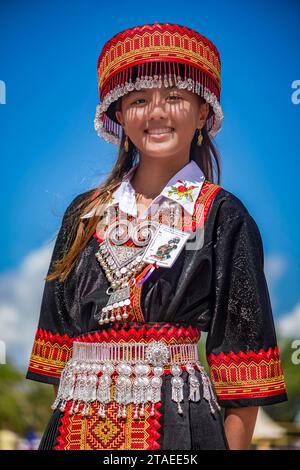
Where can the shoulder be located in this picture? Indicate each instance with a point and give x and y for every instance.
(232, 219)
(228, 206)
(77, 203)
(230, 214)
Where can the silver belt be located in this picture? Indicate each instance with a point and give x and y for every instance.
(130, 373)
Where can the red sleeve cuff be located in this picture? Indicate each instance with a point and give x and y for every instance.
(49, 355)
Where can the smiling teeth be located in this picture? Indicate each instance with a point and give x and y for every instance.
(159, 131)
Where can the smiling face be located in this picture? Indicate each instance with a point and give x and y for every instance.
(161, 122)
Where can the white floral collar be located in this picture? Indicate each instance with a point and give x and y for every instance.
(184, 188)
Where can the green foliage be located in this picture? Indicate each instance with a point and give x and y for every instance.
(286, 411)
(23, 403)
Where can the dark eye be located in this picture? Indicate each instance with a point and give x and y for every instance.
(175, 96)
(136, 101)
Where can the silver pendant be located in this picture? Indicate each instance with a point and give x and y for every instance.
(177, 386)
(116, 307)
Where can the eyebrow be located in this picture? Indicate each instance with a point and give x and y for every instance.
(145, 89)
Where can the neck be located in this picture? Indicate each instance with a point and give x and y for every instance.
(151, 177)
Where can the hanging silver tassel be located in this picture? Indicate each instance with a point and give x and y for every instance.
(89, 394)
(177, 386)
(76, 389)
(103, 393)
(154, 391)
(81, 387)
(208, 393)
(66, 385)
(61, 387)
(80, 394)
(194, 389)
(140, 387)
(123, 390)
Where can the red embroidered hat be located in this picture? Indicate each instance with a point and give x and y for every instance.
(153, 55)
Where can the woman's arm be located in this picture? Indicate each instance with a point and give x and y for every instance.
(55, 389)
(239, 426)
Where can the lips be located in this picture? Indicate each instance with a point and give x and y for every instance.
(159, 131)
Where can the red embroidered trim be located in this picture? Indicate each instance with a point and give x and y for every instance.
(247, 375)
(202, 205)
(49, 353)
(170, 334)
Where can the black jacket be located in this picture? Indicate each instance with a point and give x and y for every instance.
(219, 288)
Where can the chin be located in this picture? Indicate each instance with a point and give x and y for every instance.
(160, 147)
(159, 152)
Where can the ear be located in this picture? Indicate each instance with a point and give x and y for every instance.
(119, 117)
(203, 113)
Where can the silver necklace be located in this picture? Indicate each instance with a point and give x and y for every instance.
(122, 263)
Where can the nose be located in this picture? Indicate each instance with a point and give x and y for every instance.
(157, 108)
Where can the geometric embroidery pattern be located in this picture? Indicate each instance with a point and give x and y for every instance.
(247, 375)
(110, 433)
(49, 353)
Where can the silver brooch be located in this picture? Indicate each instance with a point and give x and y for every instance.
(157, 353)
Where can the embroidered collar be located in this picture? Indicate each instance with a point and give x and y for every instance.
(184, 188)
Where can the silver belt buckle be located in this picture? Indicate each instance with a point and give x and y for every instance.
(157, 353)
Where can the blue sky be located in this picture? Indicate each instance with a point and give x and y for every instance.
(50, 151)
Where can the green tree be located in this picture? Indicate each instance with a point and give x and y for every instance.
(23, 403)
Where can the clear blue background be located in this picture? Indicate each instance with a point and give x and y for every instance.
(50, 151)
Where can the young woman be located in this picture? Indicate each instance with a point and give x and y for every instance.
(154, 256)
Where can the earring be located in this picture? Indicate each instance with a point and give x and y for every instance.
(126, 144)
(200, 138)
